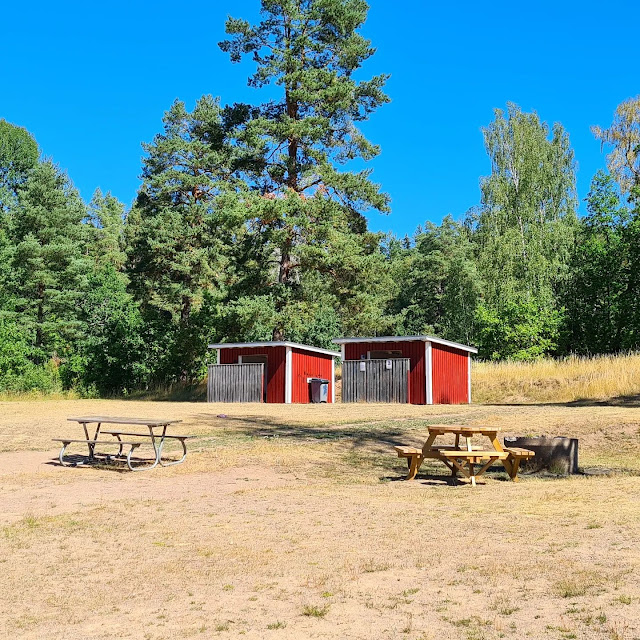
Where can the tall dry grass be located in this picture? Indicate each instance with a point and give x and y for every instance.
(569, 380)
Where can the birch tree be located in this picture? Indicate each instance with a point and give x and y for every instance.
(524, 228)
(624, 137)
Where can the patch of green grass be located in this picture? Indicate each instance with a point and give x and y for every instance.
(277, 625)
(312, 611)
(30, 521)
(578, 584)
(463, 622)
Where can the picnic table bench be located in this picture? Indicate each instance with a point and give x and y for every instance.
(156, 436)
(464, 459)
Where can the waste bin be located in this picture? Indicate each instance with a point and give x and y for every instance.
(319, 389)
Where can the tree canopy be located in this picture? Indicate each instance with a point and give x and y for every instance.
(251, 223)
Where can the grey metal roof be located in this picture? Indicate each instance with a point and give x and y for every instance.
(295, 345)
(448, 343)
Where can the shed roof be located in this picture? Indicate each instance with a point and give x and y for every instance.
(448, 343)
(295, 345)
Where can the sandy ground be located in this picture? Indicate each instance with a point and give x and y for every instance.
(294, 522)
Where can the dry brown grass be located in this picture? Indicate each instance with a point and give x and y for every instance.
(570, 380)
(292, 522)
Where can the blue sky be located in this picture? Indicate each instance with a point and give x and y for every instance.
(92, 80)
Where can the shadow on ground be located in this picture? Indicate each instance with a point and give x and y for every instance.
(618, 401)
(382, 433)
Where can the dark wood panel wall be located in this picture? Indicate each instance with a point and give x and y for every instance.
(372, 381)
(235, 382)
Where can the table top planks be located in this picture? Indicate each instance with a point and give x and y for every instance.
(460, 429)
(147, 422)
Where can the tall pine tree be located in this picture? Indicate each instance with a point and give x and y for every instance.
(306, 215)
(50, 266)
(180, 230)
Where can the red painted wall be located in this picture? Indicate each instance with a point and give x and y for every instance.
(306, 364)
(412, 350)
(450, 375)
(275, 367)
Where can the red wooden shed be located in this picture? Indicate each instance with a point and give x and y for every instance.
(439, 370)
(288, 367)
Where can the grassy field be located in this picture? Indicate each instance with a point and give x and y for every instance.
(294, 522)
(614, 379)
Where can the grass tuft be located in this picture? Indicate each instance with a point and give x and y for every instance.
(277, 625)
(312, 611)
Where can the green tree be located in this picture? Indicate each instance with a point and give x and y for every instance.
(441, 287)
(106, 242)
(605, 287)
(49, 267)
(114, 348)
(181, 227)
(18, 156)
(624, 137)
(525, 226)
(305, 215)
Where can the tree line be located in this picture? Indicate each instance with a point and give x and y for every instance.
(250, 224)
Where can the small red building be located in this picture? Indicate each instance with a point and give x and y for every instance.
(288, 366)
(439, 370)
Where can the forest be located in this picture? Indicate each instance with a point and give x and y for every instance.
(250, 223)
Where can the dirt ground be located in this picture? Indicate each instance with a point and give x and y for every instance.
(295, 522)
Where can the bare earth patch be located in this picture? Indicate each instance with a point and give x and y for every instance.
(293, 522)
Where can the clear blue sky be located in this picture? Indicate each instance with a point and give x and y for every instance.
(92, 80)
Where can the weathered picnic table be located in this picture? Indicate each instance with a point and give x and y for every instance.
(156, 435)
(469, 459)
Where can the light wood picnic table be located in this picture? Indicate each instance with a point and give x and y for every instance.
(469, 459)
(156, 435)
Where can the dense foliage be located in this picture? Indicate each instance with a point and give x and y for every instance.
(250, 224)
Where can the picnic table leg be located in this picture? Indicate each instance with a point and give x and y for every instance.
(506, 462)
(89, 445)
(157, 449)
(515, 465)
(184, 454)
(471, 474)
(142, 467)
(92, 447)
(460, 467)
(61, 455)
(416, 462)
(485, 467)
(451, 467)
(119, 454)
(429, 442)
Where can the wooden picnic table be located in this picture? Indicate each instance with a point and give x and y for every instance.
(466, 458)
(156, 435)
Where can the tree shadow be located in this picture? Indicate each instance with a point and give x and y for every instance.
(617, 401)
(360, 435)
(431, 477)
